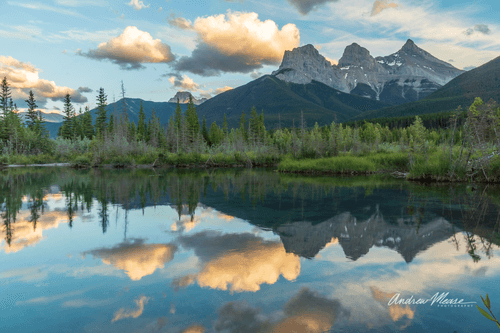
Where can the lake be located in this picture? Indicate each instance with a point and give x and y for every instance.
(243, 250)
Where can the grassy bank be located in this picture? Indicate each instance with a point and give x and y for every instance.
(347, 164)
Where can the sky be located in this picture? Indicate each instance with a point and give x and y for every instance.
(158, 47)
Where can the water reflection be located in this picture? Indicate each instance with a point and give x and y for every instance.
(240, 251)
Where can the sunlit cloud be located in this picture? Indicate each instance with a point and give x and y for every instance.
(221, 90)
(186, 83)
(381, 5)
(131, 49)
(137, 4)
(180, 22)
(23, 77)
(238, 262)
(131, 313)
(136, 258)
(237, 42)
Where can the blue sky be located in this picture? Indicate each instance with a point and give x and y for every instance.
(54, 47)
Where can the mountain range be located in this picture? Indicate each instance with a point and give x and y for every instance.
(405, 76)
(307, 86)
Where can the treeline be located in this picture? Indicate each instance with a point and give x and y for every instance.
(464, 136)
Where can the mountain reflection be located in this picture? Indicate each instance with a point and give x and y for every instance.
(307, 213)
(357, 237)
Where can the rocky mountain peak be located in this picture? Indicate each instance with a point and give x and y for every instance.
(356, 55)
(410, 47)
(183, 97)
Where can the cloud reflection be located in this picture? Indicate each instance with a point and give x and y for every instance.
(136, 258)
(134, 313)
(238, 262)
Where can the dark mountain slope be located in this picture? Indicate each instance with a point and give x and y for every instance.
(483, 82)
(278, 99)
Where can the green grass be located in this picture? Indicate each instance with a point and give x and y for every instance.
(367, 163)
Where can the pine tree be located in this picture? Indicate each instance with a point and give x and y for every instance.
(204, 130)
(192, 122)
(111, 125)
(243, 129)
(4, 97)
(88, 128)
(32, 114)
(100, 123)
(67, 128)
(178, 116)
(141, 125)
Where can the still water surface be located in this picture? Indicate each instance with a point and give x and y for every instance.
(242, 251)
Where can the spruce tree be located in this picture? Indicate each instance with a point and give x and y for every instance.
(67, 128)
(243, 129)
(4, 97)
(32, 114)
(88, 128)
(192, 122)
(204, 130)
(111, 124)
(100, 123)
(141, 125)
(178, 116)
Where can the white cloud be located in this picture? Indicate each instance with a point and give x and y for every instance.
(137, 4)
(244, 35)
(186, 83)
(131, 49)
(81, 3)
(39, 6)
(23, 77)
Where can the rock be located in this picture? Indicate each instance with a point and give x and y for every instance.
(405, 76)
(183, 97)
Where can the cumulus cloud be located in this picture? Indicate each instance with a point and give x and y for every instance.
(136, 258)
(222, 89)
(481, 28)
(306, 312)
(305, 6)
(238, 42)
(132, 313)
(380, 5)
(23, 77)
(131, 49)
(180, 22)
(137, 4)
(84, 90)
(238, 262)
(186, 83)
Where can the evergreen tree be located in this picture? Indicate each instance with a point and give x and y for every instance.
(243, 129)
(4, 97)
(192, 122)
(141, 125)
(178, 116)
(32, 114)
(100, 123)
(88, 128)
(67, 128)
(204, 130)
(215, 134)
(111, 124)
